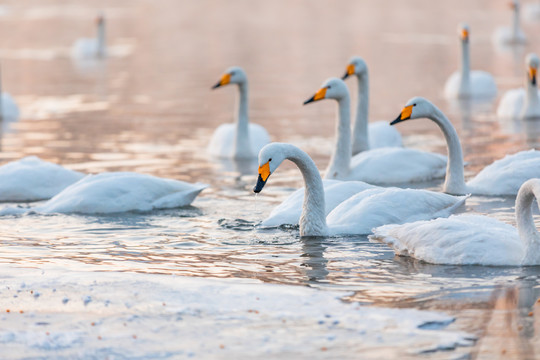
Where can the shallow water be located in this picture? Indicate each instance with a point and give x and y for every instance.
(149, 108)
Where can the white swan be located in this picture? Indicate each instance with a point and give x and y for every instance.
(384, 166)
(32, 179)
(503, 177)
(377, 134)
(511, 35)
(9, 108)
(361, 212)
(523, 103)
(471, 239)
(467, 84)
(240, 140)
(92, 47)
(118, 192)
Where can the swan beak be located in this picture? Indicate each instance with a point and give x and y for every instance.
(225, 79)
(321, 94)
(464, 35)
(264, 173)
(532, 75)
(512, 5)
(405, 115)
(349, 72)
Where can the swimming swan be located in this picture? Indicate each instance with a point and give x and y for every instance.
(503, 177)
(373, 135)
(92, 47)
(384, 166)
(523, 103)
(467, 84)
(240, 140)
(359, 213)
(511, 35)
(471, 239)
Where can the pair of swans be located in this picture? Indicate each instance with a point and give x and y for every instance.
(90, 48)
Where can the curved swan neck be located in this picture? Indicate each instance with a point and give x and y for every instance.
(340, 162)
(525, 222)
(465, 70)
(360, 128)
(455, 180)
(313, 218)
(242, 145)
(101, 38)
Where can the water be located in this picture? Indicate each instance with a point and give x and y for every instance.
(149, 109)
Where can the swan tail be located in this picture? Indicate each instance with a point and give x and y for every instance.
(452, 208)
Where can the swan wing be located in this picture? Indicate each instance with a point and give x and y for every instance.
(511, 103)
(381, 134)
(223, 140)
(258, 136)
(483, 84)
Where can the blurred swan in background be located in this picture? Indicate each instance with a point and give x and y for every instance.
(511, 35)
(471, 239)
(87, 48)
(367, 135)
(240, 140)
(467, 84)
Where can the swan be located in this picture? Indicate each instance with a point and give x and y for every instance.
(523, 103)
(32, 179)
(92, 47)
(114, 192)
(241, 140)
(378, 134)
(384, 166)
(467, 84)
(511, 35)
(359, 213)
(471, 239)
(503, 177)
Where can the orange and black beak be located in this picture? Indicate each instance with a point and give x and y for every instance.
(404, 115)
(532, 75)
(264, 173)
(319, 95)
(225, 79)
(348, 72)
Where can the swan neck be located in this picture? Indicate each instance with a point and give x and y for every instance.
(340, 161)
(360, 128)
(525, 222)
(242, 145)
(465, 70)
(455, 180)
(531, 100)
(515, 23)
(101, 38)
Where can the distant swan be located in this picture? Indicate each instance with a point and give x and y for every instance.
(384, 166)
(511, 35)
(471, 239)
(467, 84)
(240, 140)
(359, 213)
(86, 48)
(367, 135)
(523, 103)
(503, 177)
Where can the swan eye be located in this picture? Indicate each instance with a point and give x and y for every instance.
(328, 87)
(270, 159)
(413, 104)
(232, 73)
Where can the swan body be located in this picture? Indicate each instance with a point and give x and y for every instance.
(471, 239)
(523, 103)
(368, 136)
(511, 35)
(32, 179)
(359, 213)
(88, 48)
(113, 192)
(384, 166)
(10, 110)
(240, 140)
(467, 84)
(503, 177)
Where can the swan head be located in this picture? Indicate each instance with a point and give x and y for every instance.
(233, 75)
(514, 5)
(532, 61)
(100, 20)
(357, 66)
(332, 88)
(464, 32)
(416, 108)
(270, 157)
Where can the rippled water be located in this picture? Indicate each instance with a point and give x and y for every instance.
(148, 108)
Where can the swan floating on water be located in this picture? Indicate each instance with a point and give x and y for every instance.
(384, 166)
(367, 135)
(240, 140)
(114, 192)
(511, 35)
(467, 84)
(359, 213)
(471, 239)
(523, 103)
(32, 179)
(502, 177)
(92, 47)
